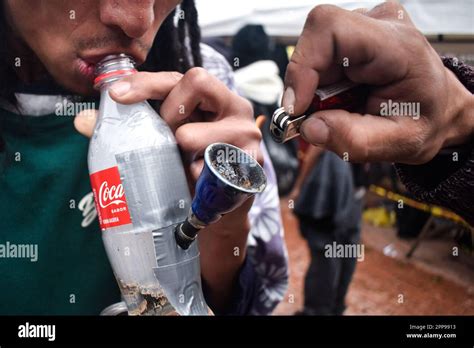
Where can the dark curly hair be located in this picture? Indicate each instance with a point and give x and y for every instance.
(169, 52)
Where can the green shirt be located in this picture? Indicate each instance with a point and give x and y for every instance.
(46, 202)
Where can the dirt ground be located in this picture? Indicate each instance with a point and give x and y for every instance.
(432, 283)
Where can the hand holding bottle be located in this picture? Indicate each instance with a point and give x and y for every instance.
(200, 110)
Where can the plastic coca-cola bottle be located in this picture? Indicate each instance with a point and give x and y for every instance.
(141, 194)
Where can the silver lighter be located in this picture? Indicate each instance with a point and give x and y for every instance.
(341, 95)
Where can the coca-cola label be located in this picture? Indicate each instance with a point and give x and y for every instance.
(109, 196)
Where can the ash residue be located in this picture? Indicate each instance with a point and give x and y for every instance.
(232, 172)
(146, 301)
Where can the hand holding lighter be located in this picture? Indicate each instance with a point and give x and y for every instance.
(342, 95)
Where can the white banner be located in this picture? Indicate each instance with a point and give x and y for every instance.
(286, 17)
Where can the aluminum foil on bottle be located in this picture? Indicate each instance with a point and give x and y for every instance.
(158, 202)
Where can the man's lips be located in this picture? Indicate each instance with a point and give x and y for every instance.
(85, 68)
(85, 64)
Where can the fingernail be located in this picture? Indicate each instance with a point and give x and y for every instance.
(120, 88)
(315, 131)
(288, 100)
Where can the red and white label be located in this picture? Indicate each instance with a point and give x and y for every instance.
(109, 196)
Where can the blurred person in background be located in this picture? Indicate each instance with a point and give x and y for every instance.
(256, 59)
(329, 211)
(256, 74)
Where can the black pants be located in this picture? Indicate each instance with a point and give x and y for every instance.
(327, 279)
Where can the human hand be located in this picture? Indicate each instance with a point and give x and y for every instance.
(381, 48)
(200, 110)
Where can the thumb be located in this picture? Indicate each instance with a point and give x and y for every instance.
(85, 121)
(361, 138)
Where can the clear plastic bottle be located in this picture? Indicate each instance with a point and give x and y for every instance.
(141, 194)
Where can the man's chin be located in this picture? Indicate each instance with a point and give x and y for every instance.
(87, 91)
(84, 88)
(73, 81)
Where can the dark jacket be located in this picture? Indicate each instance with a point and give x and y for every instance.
(328, 193)
(443, 181)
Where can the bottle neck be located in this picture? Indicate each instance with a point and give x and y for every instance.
(103, 82)
(106, 100)
(113, 68)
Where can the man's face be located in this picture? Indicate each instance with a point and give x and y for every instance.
(69, 36)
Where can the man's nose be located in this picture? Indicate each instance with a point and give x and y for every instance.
(133, 17)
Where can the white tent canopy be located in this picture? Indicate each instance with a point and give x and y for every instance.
(286, 17)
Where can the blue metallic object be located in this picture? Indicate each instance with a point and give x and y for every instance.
(229, 177)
